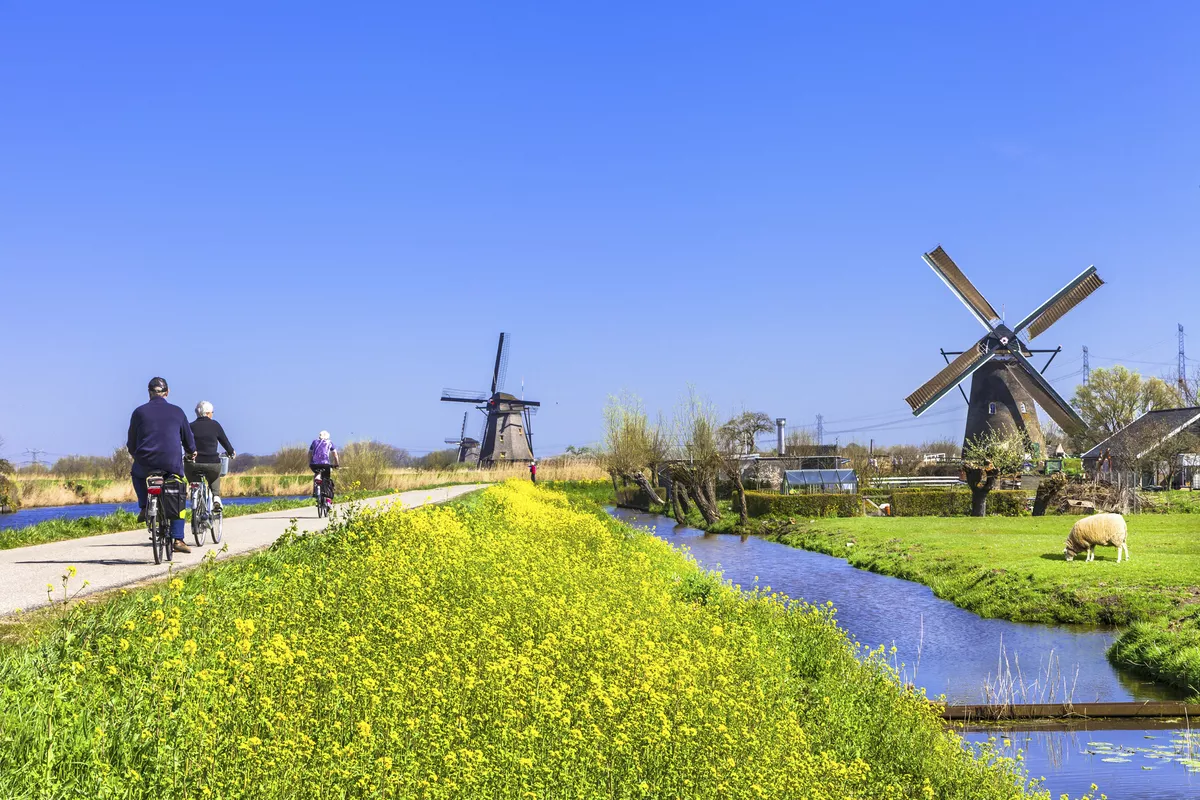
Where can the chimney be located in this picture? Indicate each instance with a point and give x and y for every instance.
(781, 435)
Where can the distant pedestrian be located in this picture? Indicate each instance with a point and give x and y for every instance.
(533, 471)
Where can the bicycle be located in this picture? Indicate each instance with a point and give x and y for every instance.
(158, 524)
(323, 491)
(205, 519)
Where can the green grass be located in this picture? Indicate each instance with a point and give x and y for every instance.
(511, 645)
(1013, 568)
(56, 530)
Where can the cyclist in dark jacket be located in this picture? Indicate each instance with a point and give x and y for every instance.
(209, 434)
(158, 437)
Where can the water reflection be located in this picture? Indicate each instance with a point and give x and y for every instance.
(32, 516)
(956, 653)
(943, 648)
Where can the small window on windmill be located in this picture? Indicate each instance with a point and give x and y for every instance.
(1022, 408)
(991, 408)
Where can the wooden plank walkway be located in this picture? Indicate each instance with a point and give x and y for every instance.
(1126, 710)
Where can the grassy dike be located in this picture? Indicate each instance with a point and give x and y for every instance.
(57, 530)
(1013, 568)
(515, 643)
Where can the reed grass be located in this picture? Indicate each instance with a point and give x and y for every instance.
(42, 491)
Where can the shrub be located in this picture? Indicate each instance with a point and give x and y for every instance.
(366, 463)
(955, 503)
(761, 504)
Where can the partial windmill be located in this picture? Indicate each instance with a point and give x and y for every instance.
(507, 432)
(468, 448)
(1004, 384)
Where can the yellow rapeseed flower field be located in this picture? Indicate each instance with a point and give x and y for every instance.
(514, 645)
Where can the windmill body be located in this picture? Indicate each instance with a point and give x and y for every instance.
(1006, 389)
(468, 448)
(507, 431)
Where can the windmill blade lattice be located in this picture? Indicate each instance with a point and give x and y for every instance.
(954, 373)
(1063, 301)
(1044, 395)
(953, 277)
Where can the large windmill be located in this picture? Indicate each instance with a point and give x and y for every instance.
(507, 432)
(1004, 384)
(468, 448)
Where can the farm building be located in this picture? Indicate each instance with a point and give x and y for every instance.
(1158, 448)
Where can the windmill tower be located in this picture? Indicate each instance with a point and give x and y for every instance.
(507, 430)
(1005, 386)
(468, 448)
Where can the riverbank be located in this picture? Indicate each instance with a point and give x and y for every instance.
(511, 644)
(1013, 568)
(41, 491)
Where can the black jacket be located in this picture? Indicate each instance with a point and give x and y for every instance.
(209, 433)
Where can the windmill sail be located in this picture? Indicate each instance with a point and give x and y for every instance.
(963, 289)
(1063, 301)
(954, 373)
(1044, 395)
(463, 396)
(501, 370)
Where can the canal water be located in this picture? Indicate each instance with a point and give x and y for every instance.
(952, 652)
(32, 516)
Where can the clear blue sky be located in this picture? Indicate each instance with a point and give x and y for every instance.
(317, 215)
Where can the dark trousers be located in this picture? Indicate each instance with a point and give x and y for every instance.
(211, 472)
(326, 473)
(139, 475)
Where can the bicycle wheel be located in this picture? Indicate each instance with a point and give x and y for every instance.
(198, 516)
(214, 526)
(152, 525)
(168, 541)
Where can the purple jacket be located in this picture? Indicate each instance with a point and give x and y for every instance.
(319, 452)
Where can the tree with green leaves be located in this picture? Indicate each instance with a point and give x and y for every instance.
(988, 457)
(1114, 397)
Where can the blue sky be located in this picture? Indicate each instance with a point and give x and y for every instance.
(317, 216)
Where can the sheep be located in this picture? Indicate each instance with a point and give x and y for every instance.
(1098, 529)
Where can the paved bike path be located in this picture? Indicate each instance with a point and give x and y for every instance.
(112, 560)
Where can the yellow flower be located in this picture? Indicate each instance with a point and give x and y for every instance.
(123, 644)
(176, 584)
(364, 729)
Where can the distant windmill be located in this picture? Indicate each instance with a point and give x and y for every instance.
(468, 448)
(1004, 385)
(507, 432)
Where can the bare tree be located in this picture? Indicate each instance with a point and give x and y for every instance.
(736, 439)
(699, 453)
(632, 446)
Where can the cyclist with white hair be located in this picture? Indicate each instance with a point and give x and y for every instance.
(208, 434)
(322, 458)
